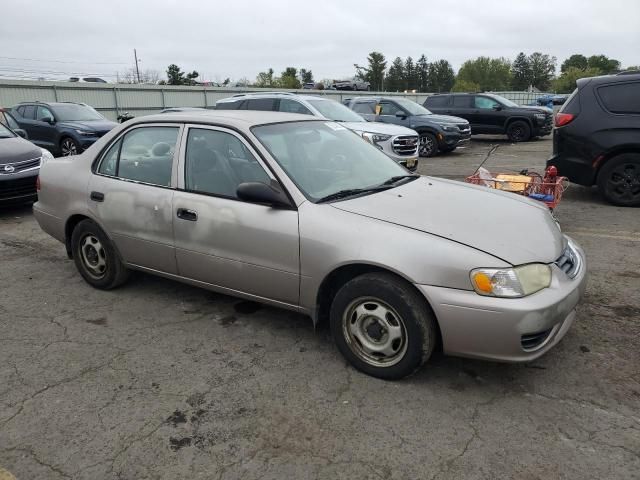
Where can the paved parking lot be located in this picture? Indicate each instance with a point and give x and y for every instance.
(162, 380)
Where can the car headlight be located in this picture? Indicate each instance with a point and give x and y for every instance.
(449, 128)
(375, 138)
(511, 282)
(540, 117)
(45, 155)
(86, 133)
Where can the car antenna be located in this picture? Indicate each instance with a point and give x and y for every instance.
(489, 153)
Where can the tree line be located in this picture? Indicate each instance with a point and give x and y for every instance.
(533, 71)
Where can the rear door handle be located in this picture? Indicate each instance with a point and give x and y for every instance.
(97, 196)
(186, 214)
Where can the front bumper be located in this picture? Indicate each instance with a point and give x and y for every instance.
(496, 328)
(449, 140)
(18, 188)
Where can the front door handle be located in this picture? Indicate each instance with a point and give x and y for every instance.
(97, 196)
(186, 214)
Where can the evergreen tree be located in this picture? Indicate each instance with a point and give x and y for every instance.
(422, 67)
(521, 73)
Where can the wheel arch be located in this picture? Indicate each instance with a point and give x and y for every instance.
(70, 225)
(525, 119)
(339, 276)
(605, 158)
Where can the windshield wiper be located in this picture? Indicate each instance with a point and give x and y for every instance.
(397, 178)
(350, 192)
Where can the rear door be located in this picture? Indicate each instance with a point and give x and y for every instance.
(132, 191)
(438, 104)
(462, 106)
(226, 242)
(27, 120)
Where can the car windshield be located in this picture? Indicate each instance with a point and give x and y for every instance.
(335, 111)
(412, 107)
(5, 132)
(505, 101)
(324, 159)
(76, 113)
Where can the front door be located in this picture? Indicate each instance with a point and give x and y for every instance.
(132, 192)
(222, 240)
(487, 115)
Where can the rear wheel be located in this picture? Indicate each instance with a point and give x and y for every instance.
(382, 326)
(519, 131)
(428, 145)
(619, 180)
(68, 147)
(95, 257)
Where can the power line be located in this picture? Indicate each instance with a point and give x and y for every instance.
(63, 61)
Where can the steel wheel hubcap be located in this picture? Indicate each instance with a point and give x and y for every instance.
(624, 181)
(69, 148)
(94, 256)
(517, 133)
(374, 332)
(426, 145)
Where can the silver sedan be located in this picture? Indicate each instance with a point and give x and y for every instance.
(301, 213)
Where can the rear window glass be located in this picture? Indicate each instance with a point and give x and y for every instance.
(437, 101)
(621, 97)
(263, 104)
(462, 101)
(239, 105)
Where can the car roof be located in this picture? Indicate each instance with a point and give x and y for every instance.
(245, 96)
(50, 104)
(618, 77)
(242, 119)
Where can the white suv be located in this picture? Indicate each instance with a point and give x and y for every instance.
(399, 143)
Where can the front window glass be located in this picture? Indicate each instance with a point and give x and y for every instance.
(217, 162)
(485, 103)
(76, 113)
(504, 101)
(412, 107)
(335, 111)
(5, 132)
(43, 114)
(323, 158)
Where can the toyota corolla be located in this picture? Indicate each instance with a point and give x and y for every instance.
(300, 213)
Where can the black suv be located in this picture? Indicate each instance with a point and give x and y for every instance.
(438, 133)
(493, 114)
(597, 137)
(62, 128)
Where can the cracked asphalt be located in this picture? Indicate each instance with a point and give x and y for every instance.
(159, 380)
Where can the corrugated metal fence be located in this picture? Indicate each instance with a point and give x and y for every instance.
(113, 99)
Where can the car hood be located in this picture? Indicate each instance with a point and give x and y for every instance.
(439, 119)
(13, 150)
(102, 126)
(505, 225)
(378, 127)
(529, 108)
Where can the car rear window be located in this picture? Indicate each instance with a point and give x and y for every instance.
(621, 98)
(263, 104)
(463, 101)
(437, 101)
(572, 104)
(238, 105)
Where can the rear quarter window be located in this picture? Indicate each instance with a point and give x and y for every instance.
(620, 98)
(437, 101)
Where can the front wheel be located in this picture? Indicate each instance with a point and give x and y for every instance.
(519, 131)
(428, 145)
(619, 180)
(382, 326)
(95, 257)
(68, 147)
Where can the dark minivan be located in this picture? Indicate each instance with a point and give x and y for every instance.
(597, 137)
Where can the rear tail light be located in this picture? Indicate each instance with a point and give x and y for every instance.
(563, 119)
(38, 183)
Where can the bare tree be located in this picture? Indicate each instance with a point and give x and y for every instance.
(148, 76)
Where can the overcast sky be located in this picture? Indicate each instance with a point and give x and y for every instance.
(241, 38)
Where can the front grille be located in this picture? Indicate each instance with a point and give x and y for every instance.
(18, 187)
(19, 166)
(531, 341)
(569, 262)
(464, 128)
(405, 145)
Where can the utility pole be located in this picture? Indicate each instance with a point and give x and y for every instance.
(135, 56)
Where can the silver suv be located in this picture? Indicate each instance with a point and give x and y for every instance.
(399, 143)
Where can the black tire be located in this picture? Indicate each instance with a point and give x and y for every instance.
(619, 180)
(428, 146)
(519, 131)
(96, 258)
(68, 147)
(409, 312)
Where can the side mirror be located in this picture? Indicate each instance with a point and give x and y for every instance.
(497, 108)
(20, 132)
(48, 120)
(400, 114)
(258, 192)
